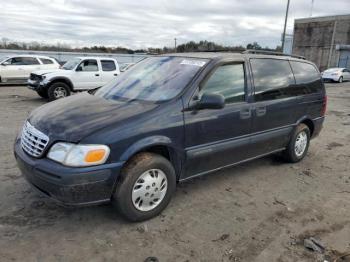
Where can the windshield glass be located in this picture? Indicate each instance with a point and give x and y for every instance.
(71, 64)
(154, 79)
(3, 58)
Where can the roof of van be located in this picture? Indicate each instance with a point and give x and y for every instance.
(213, 55)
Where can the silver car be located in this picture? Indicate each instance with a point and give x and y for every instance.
(336, 74)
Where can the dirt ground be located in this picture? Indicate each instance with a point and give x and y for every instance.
(259, 211)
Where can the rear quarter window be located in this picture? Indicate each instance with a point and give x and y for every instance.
(46, 61)
(273, 78)
(307, 77)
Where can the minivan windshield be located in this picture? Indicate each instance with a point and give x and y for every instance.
(154, 79)
(71, 64)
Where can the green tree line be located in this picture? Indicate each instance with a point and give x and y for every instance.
(191, 46)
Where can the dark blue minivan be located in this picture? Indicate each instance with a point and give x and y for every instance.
(168, 119)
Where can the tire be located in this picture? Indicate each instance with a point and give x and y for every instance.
(43, 93)
(58, 90)
(294, 154)
(340, 80)
(136, 178)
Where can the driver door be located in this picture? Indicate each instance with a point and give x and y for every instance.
(87, 75)
(219, 137)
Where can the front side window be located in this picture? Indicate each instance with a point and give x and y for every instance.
(108, 65)
(228, 81)
(88, 65)
(15, 61)
(154, 79)
(273, 78)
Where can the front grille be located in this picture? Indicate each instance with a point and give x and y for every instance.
(34, 77)
(33, 141)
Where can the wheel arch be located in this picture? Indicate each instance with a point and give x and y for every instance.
(64, 80)
(309, 123)
(160, 145)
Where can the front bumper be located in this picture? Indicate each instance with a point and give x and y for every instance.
(330, 78)
(36, 85)
(68, 185)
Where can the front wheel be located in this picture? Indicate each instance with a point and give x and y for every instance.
(340, 80)
(298, 144)
(147, 184)
(58, 90)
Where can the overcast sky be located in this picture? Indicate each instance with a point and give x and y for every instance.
(140, 24)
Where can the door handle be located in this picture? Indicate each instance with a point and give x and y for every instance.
(245, 113)
(115, 74)
(260, 110)
(97, 74)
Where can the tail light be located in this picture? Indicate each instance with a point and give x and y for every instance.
(324, 105)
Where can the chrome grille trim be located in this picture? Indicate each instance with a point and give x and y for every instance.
(33, 141)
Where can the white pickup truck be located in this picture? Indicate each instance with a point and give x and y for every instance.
(78, 74)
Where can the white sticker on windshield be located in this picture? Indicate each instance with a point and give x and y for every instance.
(192, 62)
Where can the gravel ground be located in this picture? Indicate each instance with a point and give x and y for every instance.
(258, 211)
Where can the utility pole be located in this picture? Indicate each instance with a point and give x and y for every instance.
(285, 26)
(175, 44)
(312, 7)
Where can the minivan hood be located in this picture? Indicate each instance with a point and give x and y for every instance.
(73, 118)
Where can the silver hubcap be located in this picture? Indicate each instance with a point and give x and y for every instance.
(149, 190)
(60, 92)
(300, 144)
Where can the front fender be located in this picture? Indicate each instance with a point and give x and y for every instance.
(145, 143)
(62, 78)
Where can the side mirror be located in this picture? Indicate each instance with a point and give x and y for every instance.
(79, 68)
(211, 101)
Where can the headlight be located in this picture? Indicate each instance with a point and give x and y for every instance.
(78, 155)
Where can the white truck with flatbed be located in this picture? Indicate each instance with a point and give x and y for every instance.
(78, 74)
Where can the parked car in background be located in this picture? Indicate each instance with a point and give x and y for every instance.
(336, 74)
(126, 66)
(168, 119)
(18, 68)
(78, 74)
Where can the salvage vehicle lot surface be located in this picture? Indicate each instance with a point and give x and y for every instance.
(259, 211)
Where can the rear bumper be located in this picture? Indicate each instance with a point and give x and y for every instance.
(66, 185)
(318, 125)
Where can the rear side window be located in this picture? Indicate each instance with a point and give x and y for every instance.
(307, 77)
(227, 80)
(273, 79)
(108, 65)
(46, 61)
(30, 61)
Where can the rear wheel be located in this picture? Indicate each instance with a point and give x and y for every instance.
(58, 90)
(147, 184)
(43, 93)
(340, 80)
(298, 144)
